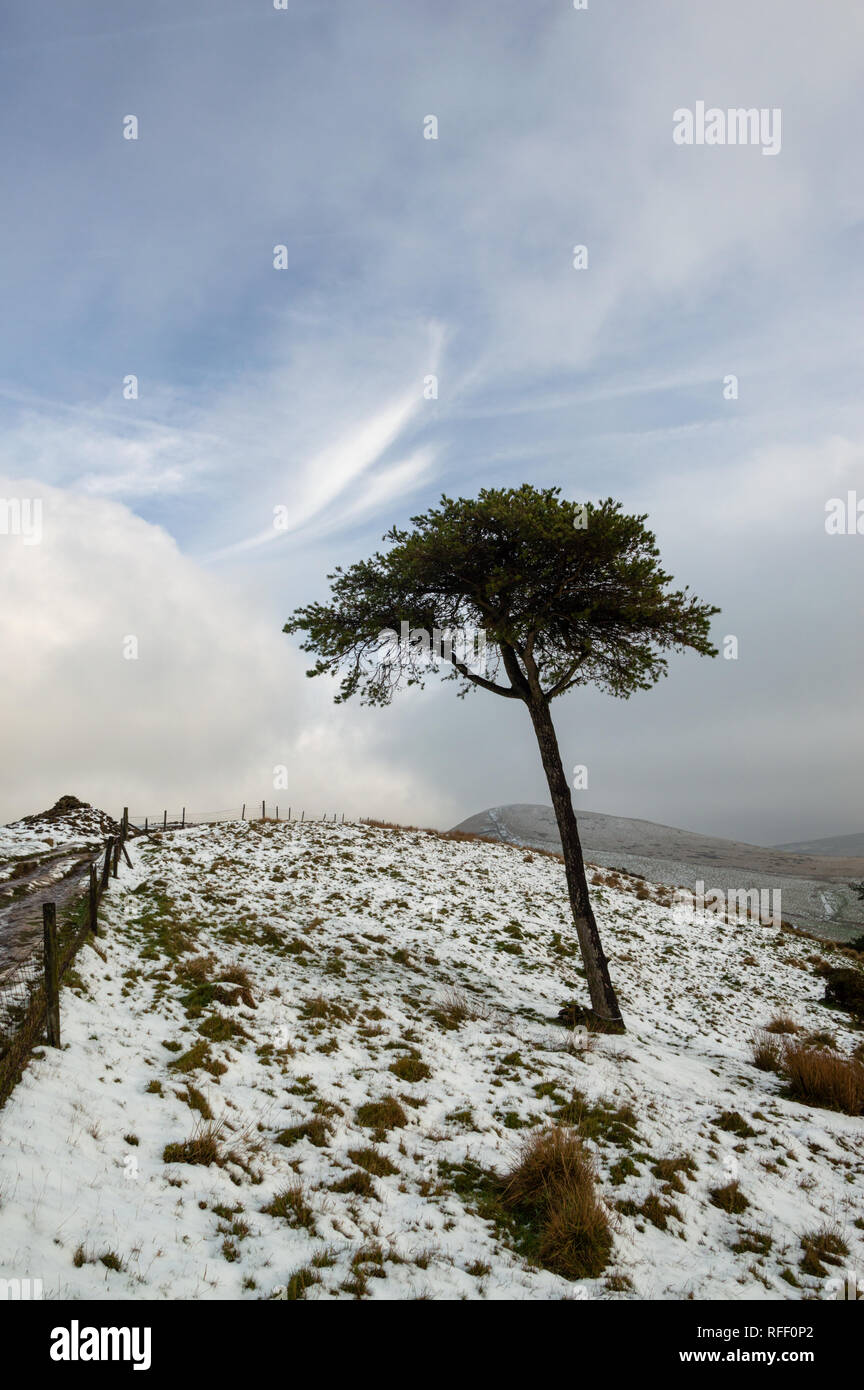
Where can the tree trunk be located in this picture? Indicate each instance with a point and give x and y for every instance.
(603, 1000)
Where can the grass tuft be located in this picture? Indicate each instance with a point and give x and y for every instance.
(553, 1184)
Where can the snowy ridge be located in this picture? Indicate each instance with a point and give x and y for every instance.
(78, 826)
(275, 976)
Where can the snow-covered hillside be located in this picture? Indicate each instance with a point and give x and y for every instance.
(298, 1056)
(70, 824)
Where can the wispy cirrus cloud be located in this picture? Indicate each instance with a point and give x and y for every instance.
(333, 474)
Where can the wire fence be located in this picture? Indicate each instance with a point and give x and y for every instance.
(29, 988)
(168, 819)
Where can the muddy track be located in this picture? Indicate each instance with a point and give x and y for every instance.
(28, 881)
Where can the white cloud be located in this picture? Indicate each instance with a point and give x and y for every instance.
(216, 699)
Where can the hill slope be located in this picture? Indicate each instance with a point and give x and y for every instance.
(282, 979)
(848, 846)
(814, 890)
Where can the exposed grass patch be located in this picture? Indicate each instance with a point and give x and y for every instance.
(359, 1183)
(652, 1209)
(381, 1115)
(198, 1057)
(622, 1169)
(729, 1198)
(319, 1007)
(299, 1284)
(844, 989)
(782, 1023)
(732, 1123)
(822, 1078)
(752, 1243)
(822, 1247)
(602, 1120)
(455, 1009)
(204, 1147)
(196, 1100)
(553, 1185)
(218, 1028)
(317, 1131)
(374, 1162)
(203, 996)
(410, 1069)
(290, 1205)
(766, 1051)
(669, 1171)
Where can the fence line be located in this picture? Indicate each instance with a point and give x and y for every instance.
(29, 990)
(294, 815)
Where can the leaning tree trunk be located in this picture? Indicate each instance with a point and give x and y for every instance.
(603, 1000)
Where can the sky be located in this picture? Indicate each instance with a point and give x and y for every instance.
(304, 389)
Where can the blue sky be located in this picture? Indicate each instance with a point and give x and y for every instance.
(303, 387)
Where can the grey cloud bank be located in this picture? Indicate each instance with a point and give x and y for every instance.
(303, 389)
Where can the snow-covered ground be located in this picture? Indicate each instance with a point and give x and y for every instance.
(79, 827)
(356, 942)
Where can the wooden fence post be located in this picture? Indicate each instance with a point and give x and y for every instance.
(94, 901)
(243, 812)
(262, 810)
(125, 829)
(115, 856)
(183, 820)
(164, 820)
(106, 867)
(145, 825)
(302, 814)
(52, 1000)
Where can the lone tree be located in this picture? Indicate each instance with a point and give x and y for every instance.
(567, 594)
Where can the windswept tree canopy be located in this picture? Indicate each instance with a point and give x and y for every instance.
(567, 594)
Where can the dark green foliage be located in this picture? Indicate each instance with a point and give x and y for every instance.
(576, 604)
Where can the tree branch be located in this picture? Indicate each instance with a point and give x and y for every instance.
(507, 691)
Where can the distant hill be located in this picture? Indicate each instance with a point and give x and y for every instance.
(814, 887)
(844, 845)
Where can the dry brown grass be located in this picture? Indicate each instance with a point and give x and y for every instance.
(553, 1182)
(455, 1008)
(205, 1147)
(767, 1051)
(197, 971)
(382, 1115)
(729, 1198)
(823, 1078)
(782, 1023)
(822, 1247)
(236, 975)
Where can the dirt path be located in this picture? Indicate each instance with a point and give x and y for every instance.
(52, 876)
